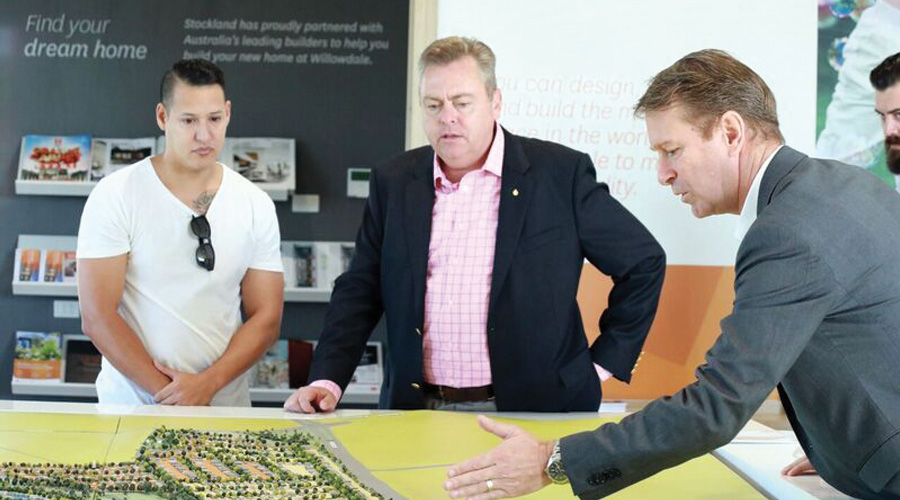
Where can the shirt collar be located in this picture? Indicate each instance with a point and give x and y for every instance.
(751, 204)
(493, 163)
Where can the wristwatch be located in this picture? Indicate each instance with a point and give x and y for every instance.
(555, 469)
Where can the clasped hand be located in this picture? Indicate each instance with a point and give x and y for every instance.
(185, 389)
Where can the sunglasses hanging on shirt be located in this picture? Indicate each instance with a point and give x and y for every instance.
(206, 256)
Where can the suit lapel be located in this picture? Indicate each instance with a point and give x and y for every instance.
(516, 191)
(418, 208)
(782, 163)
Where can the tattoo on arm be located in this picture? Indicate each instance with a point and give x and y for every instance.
(201, 204)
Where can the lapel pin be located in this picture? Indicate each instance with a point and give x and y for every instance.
(515, 192)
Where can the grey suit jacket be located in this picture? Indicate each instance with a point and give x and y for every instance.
(816, 313)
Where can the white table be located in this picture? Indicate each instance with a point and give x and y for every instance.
(758, 454)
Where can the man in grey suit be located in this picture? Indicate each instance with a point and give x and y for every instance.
(816, 310)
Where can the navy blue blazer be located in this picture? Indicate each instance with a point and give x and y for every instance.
(540, 359)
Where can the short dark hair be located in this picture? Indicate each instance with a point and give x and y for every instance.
(708, 83)
(196, 72)
(887, 73)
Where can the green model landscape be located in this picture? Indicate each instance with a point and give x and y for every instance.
(191, 464)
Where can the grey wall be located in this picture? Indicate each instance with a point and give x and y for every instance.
(340, 115)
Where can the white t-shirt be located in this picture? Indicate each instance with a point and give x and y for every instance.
(184, 314)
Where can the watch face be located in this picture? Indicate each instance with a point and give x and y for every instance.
(555, 469)
(556, 472)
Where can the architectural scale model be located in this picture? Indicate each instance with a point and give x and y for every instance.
(191, 464)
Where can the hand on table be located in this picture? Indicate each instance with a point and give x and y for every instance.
(513, 468)
(311, 400)
(799, 467)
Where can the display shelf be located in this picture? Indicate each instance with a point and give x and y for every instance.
(363, 395)
(292, 294)
(84, 188)
(297, 294)
(45, 242)
(311, 268)
(277, 194)
(71, 290)
(45, 289)
(54, 388)
(54, 188)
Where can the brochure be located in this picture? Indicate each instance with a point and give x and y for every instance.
(55, 158)
(109, 155)
(28, 264)
(268, 162)
(37, 356)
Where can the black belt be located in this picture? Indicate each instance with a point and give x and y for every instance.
(460, 394)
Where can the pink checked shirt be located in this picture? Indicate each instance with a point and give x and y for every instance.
(460, 265)
(458, 283)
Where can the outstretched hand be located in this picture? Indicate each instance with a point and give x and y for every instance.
(514, 468)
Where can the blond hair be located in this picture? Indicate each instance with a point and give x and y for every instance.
(708, 83)
(447, 50)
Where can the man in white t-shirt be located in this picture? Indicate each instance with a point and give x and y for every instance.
(169, 250)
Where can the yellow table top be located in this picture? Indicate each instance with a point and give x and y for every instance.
(409, 451)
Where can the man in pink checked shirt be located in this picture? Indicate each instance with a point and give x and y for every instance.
(472, 249)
